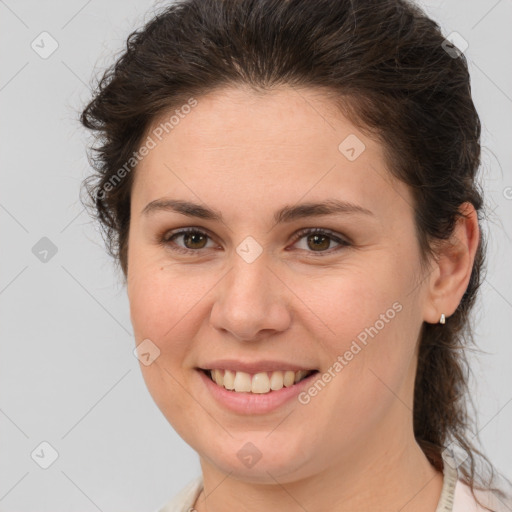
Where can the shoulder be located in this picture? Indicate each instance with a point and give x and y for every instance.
(185, 499)
(465, 502)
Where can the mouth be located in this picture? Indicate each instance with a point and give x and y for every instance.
(256, 383)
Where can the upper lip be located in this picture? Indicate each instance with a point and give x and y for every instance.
(253, 366)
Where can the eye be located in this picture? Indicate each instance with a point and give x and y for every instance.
(319, 239)
(194, 239)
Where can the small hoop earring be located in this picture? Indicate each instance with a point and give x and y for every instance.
(442, 319)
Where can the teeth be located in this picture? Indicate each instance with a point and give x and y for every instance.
(300, 375)
(276, 381)
(242, 381)
(217, 377)
(229, 379)
(289, 378)
(263, 382)
(260, 383)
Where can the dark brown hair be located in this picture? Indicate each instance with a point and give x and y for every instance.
(388, 69)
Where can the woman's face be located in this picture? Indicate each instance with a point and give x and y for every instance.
(250, 289)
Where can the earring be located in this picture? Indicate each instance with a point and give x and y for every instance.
(442, 319)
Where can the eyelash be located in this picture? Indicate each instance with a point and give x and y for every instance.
(166, 239)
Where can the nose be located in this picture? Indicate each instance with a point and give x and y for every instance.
(251, 301)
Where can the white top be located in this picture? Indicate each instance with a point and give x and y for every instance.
(455, 496)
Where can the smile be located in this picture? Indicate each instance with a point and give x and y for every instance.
(262, 382)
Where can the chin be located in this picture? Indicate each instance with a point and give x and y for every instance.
(256, 459)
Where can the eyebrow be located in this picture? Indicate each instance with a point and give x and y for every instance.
(285, 214)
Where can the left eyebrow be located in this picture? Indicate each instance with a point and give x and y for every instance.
(284, 215)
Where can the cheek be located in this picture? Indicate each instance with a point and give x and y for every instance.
(364, 322)
(163, 312)
(346, 303)
(158, 300)
(167, 306)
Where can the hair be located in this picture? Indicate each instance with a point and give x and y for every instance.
(386, 67)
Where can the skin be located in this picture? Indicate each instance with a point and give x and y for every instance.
(352, 446)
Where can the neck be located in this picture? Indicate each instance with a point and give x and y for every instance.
(404, 481)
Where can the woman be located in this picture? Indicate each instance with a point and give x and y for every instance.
(290, 190)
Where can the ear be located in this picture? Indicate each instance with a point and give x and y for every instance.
(451, 272)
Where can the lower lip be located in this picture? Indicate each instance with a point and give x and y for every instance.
(254, 403)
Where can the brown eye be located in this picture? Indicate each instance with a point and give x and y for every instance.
(319, 240)
(193, 240)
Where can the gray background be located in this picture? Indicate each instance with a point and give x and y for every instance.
(67, 372)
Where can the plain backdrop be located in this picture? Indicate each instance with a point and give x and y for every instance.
(68, 376)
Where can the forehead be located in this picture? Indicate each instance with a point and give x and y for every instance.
(279, 121)
(287, 143)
